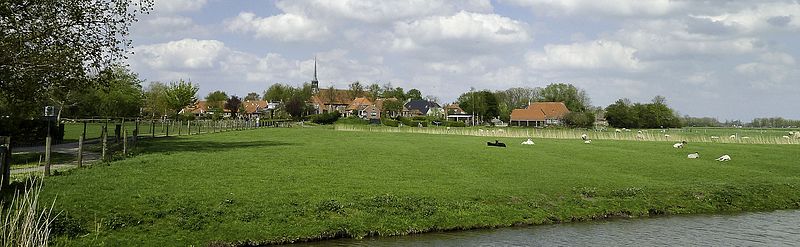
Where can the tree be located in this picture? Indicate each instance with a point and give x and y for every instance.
(155, 99)
(414, 94)
(56, 46)
(180, 94)
(355, 90)
(216, 100)
(621, 115)
(233, 104)
(483, 104)
(296, 106)
(374, 91)
(278, 92)
(391, 107)
(122, 94)
(580, 119)
(574, 98)
(252, 96)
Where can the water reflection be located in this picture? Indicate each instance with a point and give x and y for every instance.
(779, 228)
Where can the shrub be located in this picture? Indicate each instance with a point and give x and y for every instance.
(353, 120)
(454, 124)
(416, 123)
(325, 118)
(390, 122)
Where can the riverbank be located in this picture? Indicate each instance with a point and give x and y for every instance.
(287, 185)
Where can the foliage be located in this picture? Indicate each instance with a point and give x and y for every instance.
(120, 95)
(388, 92)
(392, 107)
(155, 99)
(374, 91)
(325, 118)
(355, 90)
(216, 100)
(700, 121)
(574, 98)
(49, 48)
(483, 104)
(413, 94)
(455, 124)
(623, 114)
(252, 96)
(773, 122)
(580, 119)
(180, 94)
(234, 104)
(390, 122)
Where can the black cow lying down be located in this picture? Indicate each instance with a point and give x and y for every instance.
(496, 144)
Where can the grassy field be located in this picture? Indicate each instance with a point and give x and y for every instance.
(26, 160)
(283, 185)
(72, 131)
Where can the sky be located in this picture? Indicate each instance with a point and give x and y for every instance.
(734, 60)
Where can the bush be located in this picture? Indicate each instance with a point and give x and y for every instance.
(353, 120)
(325, 118)
(454, 124)
(390, 122)
(415, 123)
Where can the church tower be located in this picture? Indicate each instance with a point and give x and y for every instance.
(315, 82)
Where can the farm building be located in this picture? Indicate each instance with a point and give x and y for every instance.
(539, 114)
(419, 107)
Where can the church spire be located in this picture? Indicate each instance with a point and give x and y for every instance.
(315, 82)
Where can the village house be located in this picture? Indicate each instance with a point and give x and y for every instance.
(455, 113)
(419, 107)
(201, 109)
(357, 107)
(539, 114)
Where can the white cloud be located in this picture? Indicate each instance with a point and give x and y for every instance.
(380, 11)
(283, 27)
(771, 71)
(186, 54)
(764, 17)
(600, 54)
(168, 27)
(461, 27)
(175, 6)
(602, 7)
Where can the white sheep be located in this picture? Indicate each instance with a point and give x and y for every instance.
(724, 158)
(732, 136)
(714, 137)
(666, 136)
(746, 137)
(448, 128)
(584, 137)
(588, 141)
(618, 130)
(678, 145)
(639, 136)
(639, 132)
(694, 155)
(785, 137)
(528, 142)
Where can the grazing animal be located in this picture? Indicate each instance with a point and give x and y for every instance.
(618, 130)
(666, 136)
(448, 128)
(746, 137)
(785, 137)
(588, 141)
(639, 132)
(694, 155)
(732, 136)
(679, 144)
(528, 142)
(584, 137)
(496, 143)
(714, 137)
(724, 158)
(639, 136)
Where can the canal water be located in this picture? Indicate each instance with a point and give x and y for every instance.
(778, 228)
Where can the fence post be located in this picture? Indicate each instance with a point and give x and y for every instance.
(104, 134)
(167, 130)
(47, 143)
(125, 143)
(80, 151)
(152, 128)
(5, 160)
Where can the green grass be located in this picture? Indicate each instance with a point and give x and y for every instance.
(72, 131)
(283, 185)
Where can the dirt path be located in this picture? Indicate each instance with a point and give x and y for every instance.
(65, 148)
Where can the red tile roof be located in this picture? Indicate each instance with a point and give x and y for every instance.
(540, 111)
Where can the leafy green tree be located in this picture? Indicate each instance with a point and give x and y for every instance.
(574, 98)
(483, 104)
(392, 107)
(413, 94)
(216, 99)
(252, 96)
(374, 91)
(278, 92)
(621, 115)
(580, 119)
(180, 94)
(49, 47)
(356, 90)
(155, 99)
(122, 96)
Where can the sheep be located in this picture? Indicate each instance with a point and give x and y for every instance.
(618, 130)
(746, 137)
(694, 155)
(639, 136)
(714, 137)
(724, 158)
(528, 142)
(584, 137)
(588, 141)
(679, 144)
(666, 136)
(496, 143)
(785, 137)
(448, 127)
(732, 136)
(639, 132)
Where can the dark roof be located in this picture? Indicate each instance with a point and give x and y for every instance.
(421, 105)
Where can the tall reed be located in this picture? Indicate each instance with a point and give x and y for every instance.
(24, 224)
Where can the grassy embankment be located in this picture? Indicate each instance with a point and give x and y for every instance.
(283, 185)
